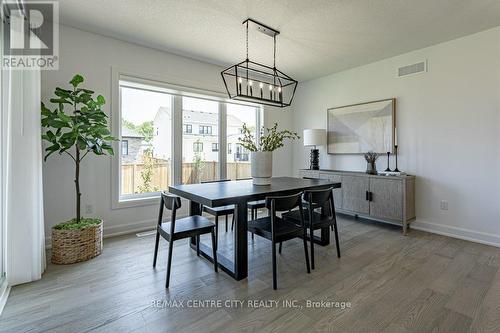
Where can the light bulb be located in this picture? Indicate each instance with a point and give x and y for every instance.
(279, 89)
(261, 85)
(240, 80)
(250, 82)
(270, 87)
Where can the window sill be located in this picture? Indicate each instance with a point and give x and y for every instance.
(152, 200)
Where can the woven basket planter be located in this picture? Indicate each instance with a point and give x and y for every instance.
(71, 246)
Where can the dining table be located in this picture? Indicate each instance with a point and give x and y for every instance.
(239, 193)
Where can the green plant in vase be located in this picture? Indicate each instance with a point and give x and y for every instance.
(261, 150)
(76, 127)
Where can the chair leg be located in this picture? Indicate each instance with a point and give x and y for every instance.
(232, 223)
(226, 223)
(214, 250)
(156, 248)
(336, 238)
(169, 262)
(198, 245)
(253, 218)
(275, 282)
(216, 231)
(279, 249)
(305, 251)
(311, 233)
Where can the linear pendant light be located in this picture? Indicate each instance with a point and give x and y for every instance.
(254, 82)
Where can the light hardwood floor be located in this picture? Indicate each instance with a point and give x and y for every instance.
(419, 283)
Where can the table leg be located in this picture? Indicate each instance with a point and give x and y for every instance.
(241, 241)
(237, 269)
(194, 209)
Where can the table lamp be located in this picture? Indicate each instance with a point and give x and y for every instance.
(314, 137)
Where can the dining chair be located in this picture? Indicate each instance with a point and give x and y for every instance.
(277, 229)
(325, 218)
(191, 226)
(254, 206)
(219, 211)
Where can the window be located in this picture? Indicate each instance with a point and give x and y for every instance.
(238, 162)
(205, 129)
(198, 147)
(124, 147)
(198, 164)
(146, 133)
(147, 112)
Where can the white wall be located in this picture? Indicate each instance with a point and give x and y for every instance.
(93, 56)
(448, 122)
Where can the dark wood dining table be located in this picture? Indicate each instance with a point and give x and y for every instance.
(239, 193)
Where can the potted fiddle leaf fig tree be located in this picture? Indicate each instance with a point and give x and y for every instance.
(261, 152)
(76, 127)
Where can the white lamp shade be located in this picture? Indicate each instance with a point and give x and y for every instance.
(314, 137)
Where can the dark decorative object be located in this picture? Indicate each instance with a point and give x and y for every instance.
(314, 159)
(245, 74)
(313, 138)
(388, 159)
(396, 154)
(371, 158)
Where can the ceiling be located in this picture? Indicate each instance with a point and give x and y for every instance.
(318, 37)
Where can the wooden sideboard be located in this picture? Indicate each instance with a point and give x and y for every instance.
(389, 199)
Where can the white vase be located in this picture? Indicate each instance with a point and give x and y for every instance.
(262, 167)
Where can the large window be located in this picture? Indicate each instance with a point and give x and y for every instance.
(238, 158)
(200, 164)
(170, 136)
(146, 140)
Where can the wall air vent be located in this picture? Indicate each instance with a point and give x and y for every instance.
(419, 67)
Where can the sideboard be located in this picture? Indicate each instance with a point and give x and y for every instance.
(389, 199)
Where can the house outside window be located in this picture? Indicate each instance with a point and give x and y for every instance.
(124, 147)
(147, 163)
(198, 147)
(205, 129)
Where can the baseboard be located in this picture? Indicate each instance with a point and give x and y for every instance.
(4, 294)
(456, 232)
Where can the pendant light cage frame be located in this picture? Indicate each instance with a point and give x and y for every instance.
(251, 81)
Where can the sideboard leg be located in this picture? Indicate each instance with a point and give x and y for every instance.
(405, 228)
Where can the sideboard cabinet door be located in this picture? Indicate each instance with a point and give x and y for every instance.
(354, 190)
(387, 198)
(337, 193)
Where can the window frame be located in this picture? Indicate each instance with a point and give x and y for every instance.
(161, 84)
(188, 128)
(216, 145)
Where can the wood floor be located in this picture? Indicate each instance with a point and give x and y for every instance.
(419, 283)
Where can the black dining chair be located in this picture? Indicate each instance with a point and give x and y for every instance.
(219, 211)
(191, 226)
(277, 229)
(325, 218)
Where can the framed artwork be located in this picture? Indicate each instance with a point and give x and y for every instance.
(363, 127)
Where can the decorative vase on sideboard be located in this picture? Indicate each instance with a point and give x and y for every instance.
(262, 167)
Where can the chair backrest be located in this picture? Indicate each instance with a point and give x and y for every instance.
(170, 202)
(322, 198)
(284, 203)
(215, 181)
